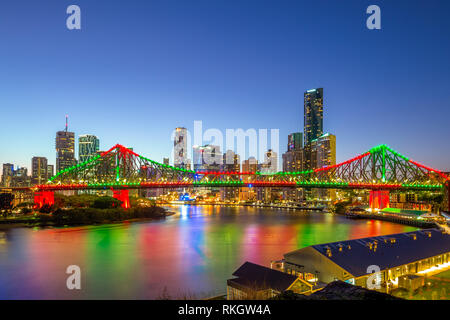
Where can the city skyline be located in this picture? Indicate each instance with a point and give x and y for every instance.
(200, 83)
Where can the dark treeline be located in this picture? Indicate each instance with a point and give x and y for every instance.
(92, 209)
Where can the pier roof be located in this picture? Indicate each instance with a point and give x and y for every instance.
(387, 251)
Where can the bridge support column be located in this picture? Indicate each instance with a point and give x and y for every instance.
(379, 199)
(122, 195)
(43, 197)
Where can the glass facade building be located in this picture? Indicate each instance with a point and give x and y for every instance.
(88, 145)
(313, 114)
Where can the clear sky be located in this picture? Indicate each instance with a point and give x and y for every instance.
(138, 69)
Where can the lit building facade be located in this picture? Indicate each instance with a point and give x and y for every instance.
(207, 157)
(180, 147)
(20, 178)
(88, 145)
(50, 171)
(323, 154)
(313, 114)
(293, 162)
(231, 162)
(7, 174)
(39, 173)
(295, 141)
(248, 193)
(65, 150)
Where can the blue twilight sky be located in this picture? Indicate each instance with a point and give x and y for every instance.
(138, 69)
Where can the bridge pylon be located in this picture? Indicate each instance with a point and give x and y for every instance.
(42, 198)
(379, 199)
(123, 196)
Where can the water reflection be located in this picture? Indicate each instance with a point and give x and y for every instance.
(194, 251)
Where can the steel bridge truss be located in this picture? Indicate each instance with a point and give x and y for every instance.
(381, 168)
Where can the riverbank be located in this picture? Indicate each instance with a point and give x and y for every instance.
(86, 216)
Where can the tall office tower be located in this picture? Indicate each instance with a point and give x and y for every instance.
(166, 161)
(295, 141)
(207, 157)
(270, 164)
(20, 178)
(250, 165)
(313, 114)
(180, 147)
(231, 163)
(325, 150)
(7, 174)
(39, 173)
(50, 171)
(293, 161)
(65, 149)
(88, 145)
(323, 153)
(246, 193)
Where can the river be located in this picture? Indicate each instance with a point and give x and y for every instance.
(189, 254)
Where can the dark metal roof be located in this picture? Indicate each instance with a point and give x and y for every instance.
(385, 251)
(258, 277)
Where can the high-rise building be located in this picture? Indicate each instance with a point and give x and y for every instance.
(65, 149)
(88, 145)
(323, 154)
(20, 178)
(325, 150)
(293, 162)
(231, 163)
(180, 147)
(39, 173)
(248, 193)
(50, 171)
(7, 174)
(313, 114)
(207, 157)
(270, 164)
(295, 141)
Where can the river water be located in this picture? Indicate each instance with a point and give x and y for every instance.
(189, 254)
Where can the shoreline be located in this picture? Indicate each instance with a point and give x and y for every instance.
(24, 223)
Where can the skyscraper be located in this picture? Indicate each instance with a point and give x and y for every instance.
(313, 114)
(270, 164)
(207, 157)
(50, 171)
(231, 163)
(325, 147)
(65, 149)
(8, 172)
(88, 145)
(180, 147)
(39, 173)
(295, 141)
(323, 154)
(246, 193)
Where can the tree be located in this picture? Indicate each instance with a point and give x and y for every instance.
(46, 208)
(106, 202)
(6, 200)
